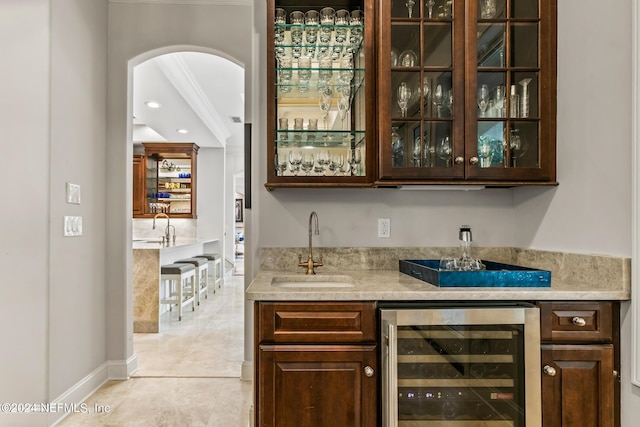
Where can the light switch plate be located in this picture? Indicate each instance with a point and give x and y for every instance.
(72, 226)
(73, 193)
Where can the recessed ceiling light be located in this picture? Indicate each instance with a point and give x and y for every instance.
(182, 131)
(152, 104)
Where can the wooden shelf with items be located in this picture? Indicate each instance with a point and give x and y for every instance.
(467, 92)
(320, 85)
(168, 179)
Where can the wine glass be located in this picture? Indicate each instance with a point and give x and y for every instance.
(354, 160)
(346, 68)
(517, 145)
(404, 94)
(325, 105)
(425, 90)
(307, 163)
(336, 161)
(483, 100)
(410, 4)
(438, 99)
(444, 150)
(488, 9)
(397, 149)
(295, 159)
(430, 4)
(343, 107)
(322, 159)
(280, 164)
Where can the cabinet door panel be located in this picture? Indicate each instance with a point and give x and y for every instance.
(581, 393)
(316, 386)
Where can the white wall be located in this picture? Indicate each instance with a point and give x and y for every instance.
(211, 178)
(53, 120)
(137, 32)
(24, 120)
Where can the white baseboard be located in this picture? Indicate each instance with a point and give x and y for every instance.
(246, 373)
(78, 393)
(121, 369)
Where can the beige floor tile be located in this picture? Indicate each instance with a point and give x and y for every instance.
(188, 374)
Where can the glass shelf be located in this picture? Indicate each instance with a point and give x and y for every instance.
(319, 138)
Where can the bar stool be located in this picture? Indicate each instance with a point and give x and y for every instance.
(201, 265)
(183, 276)
(216, 270)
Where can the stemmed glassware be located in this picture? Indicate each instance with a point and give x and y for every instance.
(517, 145)
(343, 108)
(404, 94)
(444, 150)
(410, 4)
(280, 164)
(430, 4)
(354, 158)
(322, 159)
(295, 159)
(325, 92)
(483, 100)
(307, 163)
(438, 99)
(425, 91)
(336, 162)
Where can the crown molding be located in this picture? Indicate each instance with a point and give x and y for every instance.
(181, 77)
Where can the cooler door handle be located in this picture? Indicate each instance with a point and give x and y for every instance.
(392, 379)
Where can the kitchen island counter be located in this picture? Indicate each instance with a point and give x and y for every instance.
(148, 257)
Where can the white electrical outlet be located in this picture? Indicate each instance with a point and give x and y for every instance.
(72, 226)
(384, 227)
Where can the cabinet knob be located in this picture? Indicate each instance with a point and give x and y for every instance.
(578, 321)
(549, 370)
(368, 371)
(459, 160)
(473, 161)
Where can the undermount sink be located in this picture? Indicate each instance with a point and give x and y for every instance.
(321, 281)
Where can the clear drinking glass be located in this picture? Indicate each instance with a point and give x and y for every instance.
(404, 94)
(410, 4)
(325, 69)
(408, 58)
(311, 21)
(295, 159)
(307, 163)
(285, 73)
(444, 150)
(483, 100)
(280, 163)
(518, 146)
(283, 124)
(430, 4)
(356, 21)
(342, 18)
(438, 99)
(304, 73)
(336, 162)
(488, 9)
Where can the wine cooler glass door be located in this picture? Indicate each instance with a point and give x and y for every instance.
(454, 366)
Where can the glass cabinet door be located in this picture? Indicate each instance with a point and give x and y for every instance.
(318, 120)
(421, 134)
(467, 91)
(506, 98)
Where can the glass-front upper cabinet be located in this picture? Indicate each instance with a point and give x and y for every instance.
(320, 116)
(467, 91)
(169, 180)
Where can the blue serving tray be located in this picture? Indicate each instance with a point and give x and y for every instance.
(496, 275)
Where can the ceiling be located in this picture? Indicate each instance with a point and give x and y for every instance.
(198, 92)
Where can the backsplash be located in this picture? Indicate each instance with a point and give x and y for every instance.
(596, 271)
(143, 228)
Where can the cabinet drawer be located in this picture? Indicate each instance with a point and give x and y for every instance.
(576, 321)
(303, 322)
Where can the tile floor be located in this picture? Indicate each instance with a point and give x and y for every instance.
(188, 374)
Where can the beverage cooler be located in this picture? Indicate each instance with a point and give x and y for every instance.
(460, 366)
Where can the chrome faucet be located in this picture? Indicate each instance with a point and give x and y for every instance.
(167, 231)
(310, 264)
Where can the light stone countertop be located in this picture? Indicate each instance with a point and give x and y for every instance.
(392, 285)
(374, 276)
(154, 243)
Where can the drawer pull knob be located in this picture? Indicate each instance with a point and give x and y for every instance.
(578, 321)
(368, 371)
(549, 370)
